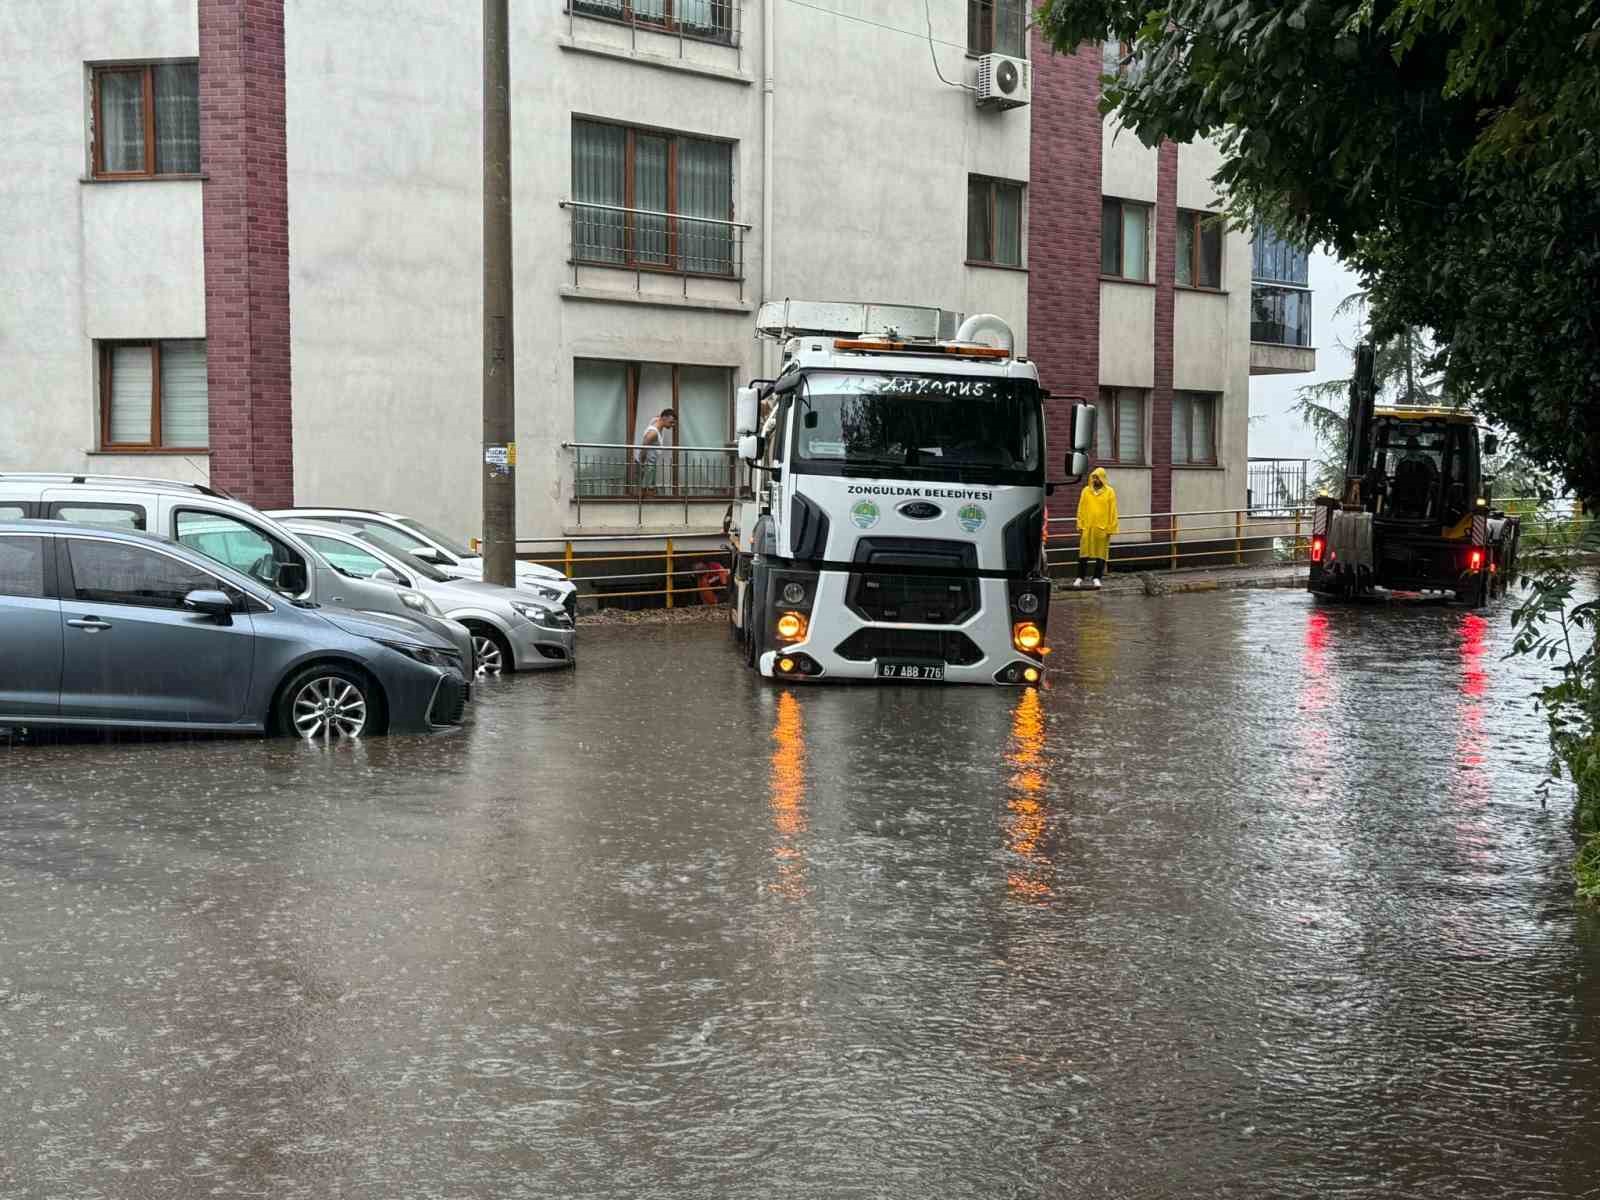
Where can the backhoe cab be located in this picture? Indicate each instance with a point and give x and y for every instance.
(1416, 518)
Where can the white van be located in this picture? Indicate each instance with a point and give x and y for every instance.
(220, 527)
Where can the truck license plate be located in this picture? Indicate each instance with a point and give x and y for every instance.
(933, 672)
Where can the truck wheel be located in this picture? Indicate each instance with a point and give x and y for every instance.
(755, 602)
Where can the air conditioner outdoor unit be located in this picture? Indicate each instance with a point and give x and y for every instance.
(1002, 81)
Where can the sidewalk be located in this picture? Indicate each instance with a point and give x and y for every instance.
(1189, 579)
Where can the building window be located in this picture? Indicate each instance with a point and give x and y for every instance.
(614, 403)
(153, 396)
(1199, 257)
(652, 200)
(1120, 60)
(1124, 239)
(994, 222)
(147, 120)
(1275, 259)
(709, 20)
(1194, 428)
(1119, 427)
(997, 27)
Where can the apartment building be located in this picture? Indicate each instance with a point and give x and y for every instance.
(247, 247)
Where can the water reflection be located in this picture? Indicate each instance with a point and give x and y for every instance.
(787, 799)
(1034, 878)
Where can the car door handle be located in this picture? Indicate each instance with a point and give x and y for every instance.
(92, 624)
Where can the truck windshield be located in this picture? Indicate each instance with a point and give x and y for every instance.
(892, 425)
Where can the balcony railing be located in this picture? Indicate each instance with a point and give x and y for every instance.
(1280, 315)
(639, 239)
(1277, 486)
(702, 20)
(679, 475)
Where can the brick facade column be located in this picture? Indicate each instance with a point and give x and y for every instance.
(1064, 240)
(1166, 234)
(245, 213)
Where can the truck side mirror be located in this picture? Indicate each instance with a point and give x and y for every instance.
(1491, 445)
(746, 411)
(749, 447)
(1077, 465)
(1083, 426)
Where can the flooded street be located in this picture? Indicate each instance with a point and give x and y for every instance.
(1258, 899)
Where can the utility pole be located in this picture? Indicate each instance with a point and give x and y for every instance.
(499, 390)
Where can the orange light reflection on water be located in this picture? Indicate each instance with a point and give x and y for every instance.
(1026, 813)
(787, 798)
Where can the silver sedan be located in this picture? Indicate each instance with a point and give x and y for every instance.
(511, 630)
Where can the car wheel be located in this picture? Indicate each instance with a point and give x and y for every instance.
(329, 702)
(492, 651)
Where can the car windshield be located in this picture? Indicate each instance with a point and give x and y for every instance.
(442, 540)
(888, 425)
(394, 548)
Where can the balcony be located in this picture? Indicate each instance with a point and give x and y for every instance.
(715, 21)
(685, 476)
(700, 259)
(1280, 330)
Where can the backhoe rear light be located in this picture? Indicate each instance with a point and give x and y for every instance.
(1318, 544)
(1475, 560)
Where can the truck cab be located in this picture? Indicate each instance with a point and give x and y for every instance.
(894, 524)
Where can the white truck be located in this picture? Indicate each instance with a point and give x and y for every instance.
(893, 520)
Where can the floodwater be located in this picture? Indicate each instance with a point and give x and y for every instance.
(1258, 899)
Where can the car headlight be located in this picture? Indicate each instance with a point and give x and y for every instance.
(417, 602)
(444, 660)
(543, 591)
(540, 615)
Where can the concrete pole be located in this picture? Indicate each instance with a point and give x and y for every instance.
(499, 390)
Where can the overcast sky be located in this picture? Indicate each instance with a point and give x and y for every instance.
(1275, 432)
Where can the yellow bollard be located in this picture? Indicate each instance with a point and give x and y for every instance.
(568, 559)
(669, 572)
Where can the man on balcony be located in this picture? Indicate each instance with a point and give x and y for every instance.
(647, 454)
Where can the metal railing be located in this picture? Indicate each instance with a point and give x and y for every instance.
(679, 474)
(648, 240)
(1280, 314)
(1276, 485)
(698, 20)
(680, 575)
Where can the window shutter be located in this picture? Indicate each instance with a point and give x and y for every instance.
(977, 219)
(1110, 237)
(600, 414)
(703, 394)
(650, 193)
(131, 392)
(185, 410)
(1210, 252)
(705, 189)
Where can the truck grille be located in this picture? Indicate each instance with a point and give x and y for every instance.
(914, 581)
(952, 647)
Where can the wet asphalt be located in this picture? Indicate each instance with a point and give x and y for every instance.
(1258, 898)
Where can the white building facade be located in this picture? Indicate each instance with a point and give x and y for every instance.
(292, 308)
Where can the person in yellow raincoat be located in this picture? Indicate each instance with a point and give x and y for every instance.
(1097, 521)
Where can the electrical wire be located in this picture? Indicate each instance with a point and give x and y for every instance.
(875, 24)
(927, 11)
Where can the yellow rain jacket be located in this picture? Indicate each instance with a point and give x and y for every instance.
(1097, 517)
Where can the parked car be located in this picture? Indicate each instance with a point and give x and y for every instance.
(109, 627)
(511, 629)
(451, 555)
(220, 527)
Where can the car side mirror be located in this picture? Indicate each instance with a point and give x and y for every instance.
(291, 577)
(430, 555)
(213, 604)
(385, 575)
